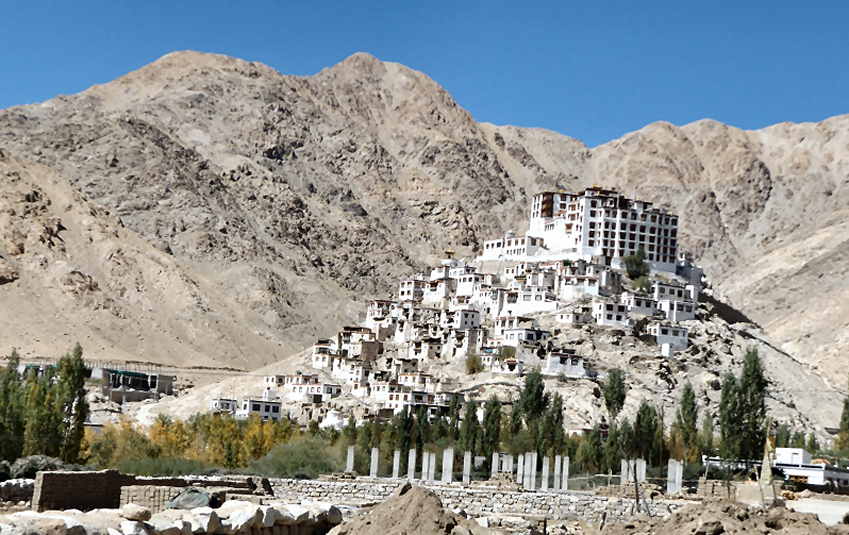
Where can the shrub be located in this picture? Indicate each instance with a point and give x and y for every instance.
(506, 352)
(643, 284)
(306, 458)
(5, 471)
(26, 467)
(636, 265)
(474, 364)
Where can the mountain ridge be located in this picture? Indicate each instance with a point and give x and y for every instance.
(289, 191)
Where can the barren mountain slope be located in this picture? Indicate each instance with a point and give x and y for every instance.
(69, 271)
(298, 194)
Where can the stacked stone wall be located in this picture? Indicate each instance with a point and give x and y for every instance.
(17, 490)
(476, 500)
(153, 497)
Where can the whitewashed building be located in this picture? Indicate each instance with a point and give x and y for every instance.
(599, 222)
(267, 407)
(610, 314)
(638, 304)
(223, 405)
(510, 247)
(673, 335)
(676, 311)
(565, 362)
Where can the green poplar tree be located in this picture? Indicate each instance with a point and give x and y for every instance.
(685, 420)
(614, 392)
(552, 427)
(11, 410)
(470, 427)
(70, 405)
(752, 406)
(729, 418)
(41, 432)
(646, 426)
(491, 435)
(453, 419)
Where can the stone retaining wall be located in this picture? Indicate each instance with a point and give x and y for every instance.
(153, 497)
(17, 490)
(477, 500)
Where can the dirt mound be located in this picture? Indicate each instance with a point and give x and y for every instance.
(719, 516)
(411, 510)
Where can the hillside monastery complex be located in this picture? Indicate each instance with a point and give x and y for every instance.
(567, 268)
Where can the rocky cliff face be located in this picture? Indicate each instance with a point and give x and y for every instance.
(292, 199)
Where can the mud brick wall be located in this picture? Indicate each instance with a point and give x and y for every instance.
(78, 490)
(153, 497)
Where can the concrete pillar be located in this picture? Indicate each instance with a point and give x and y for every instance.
(425, 466)
(467, 467)
(396, 464)
(520, 470)
(670, 476)
(528, 469)
(447, 465)
(431, 473)
(544, 485)
(510, 460)
(349, 466)
(558, 464)
(411, 466)
(641, 470)
(624, 476)
(534, 470)
(564, 482)
(679, 476)
(495, 459)
(375, 458)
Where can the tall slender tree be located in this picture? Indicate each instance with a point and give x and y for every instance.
(729, 418)
(614, 392)
(490, 437)
(71, 405)
(453, 419)
(11, 410)
(685, 422)
(552, 427)
(470, 427)
(752, 406)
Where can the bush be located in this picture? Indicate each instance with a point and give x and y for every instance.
(306, 458)
(26, 467)
(636, 265)
(161, 466)
(506, 352)
(474, 364)
(5, 471)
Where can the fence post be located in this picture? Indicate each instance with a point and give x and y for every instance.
(545, 462)
(396, 464)
(467, 467)
(349, 465)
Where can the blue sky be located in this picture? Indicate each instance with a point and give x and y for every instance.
(591, 70)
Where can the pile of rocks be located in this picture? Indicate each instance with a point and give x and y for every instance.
(232, 518)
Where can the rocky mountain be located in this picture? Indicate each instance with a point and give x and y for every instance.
(282, 202)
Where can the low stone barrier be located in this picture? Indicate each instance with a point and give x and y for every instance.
(17, 490)
(232, 518)
(477, 500)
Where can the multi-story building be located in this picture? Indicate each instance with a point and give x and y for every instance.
(599, 222)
